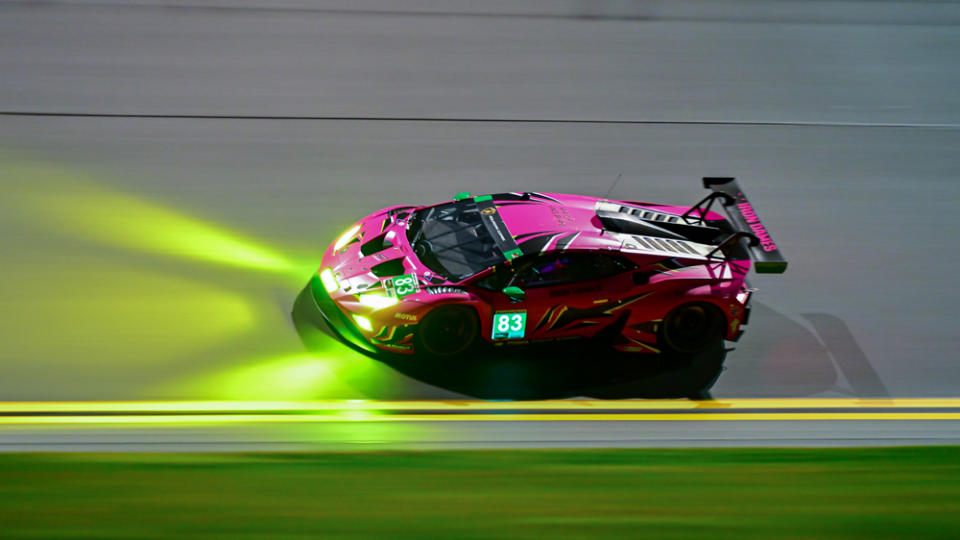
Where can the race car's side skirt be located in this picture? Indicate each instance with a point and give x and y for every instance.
(766, 254)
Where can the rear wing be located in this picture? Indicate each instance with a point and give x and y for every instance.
(766, 254)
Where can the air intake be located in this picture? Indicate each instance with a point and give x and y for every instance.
(378, 244)
(388, 269)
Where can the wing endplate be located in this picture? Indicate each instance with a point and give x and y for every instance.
(768, 259)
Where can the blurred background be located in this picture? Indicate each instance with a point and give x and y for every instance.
(171, 171)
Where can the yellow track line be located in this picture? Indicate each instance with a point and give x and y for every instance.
(94, 407)
(373, 417)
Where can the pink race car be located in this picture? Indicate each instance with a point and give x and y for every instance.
(517, 268)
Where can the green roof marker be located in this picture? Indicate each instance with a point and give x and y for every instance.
(461, 196)
(481, 198)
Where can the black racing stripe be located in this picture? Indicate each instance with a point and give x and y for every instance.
(521, 203)
(500, 197)
(537, 243)
(565, 241)
(542, 196)
(528, 235)
(547, 316)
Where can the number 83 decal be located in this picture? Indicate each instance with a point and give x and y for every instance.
(509, 324)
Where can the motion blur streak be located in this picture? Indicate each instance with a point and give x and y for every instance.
(126, 221)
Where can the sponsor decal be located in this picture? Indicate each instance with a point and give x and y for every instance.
(753, 221)
(498, 229)
(562, 215)
(406, 317)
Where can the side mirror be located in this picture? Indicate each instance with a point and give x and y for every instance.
(515, 294)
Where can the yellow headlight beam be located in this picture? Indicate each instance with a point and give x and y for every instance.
(131, 222)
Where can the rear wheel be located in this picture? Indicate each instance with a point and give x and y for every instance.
(693, 328)
(447, 331)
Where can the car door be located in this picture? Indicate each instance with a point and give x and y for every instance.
(566, 295)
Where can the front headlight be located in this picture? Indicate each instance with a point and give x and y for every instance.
(363, 322)
(329, 280)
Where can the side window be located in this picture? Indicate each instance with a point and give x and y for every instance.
(564, 268)
(607, 265)
(552, 270)
(495, 280)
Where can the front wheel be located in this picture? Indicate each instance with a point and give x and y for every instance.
(692, 328)
(447, 331)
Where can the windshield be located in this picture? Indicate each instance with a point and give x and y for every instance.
(452, 240)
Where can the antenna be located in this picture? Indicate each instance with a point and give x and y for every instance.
(609, 191)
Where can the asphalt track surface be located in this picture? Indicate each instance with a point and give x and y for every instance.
(171, 172)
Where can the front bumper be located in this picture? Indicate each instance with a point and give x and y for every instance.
(315, 306)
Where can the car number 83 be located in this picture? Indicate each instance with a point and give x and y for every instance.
(405, 285)
(509, 325)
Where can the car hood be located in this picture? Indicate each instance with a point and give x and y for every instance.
(375, 251)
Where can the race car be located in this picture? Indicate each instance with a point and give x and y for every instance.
(526, 267)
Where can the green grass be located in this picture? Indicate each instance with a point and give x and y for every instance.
(659, 494)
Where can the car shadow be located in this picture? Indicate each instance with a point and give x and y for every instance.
(574, 368)
(847, 354)
(778, 357)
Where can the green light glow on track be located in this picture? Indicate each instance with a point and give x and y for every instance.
(292, 376)
(103, 318)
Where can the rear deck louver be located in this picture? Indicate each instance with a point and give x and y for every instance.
(680, 247)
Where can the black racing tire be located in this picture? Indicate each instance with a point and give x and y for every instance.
(692, 328)
(447, 331)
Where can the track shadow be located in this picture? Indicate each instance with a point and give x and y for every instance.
(551, 371)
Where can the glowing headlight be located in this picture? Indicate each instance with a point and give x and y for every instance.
(346, 237)
(377, 301)
(363, 322)
(329, 281)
